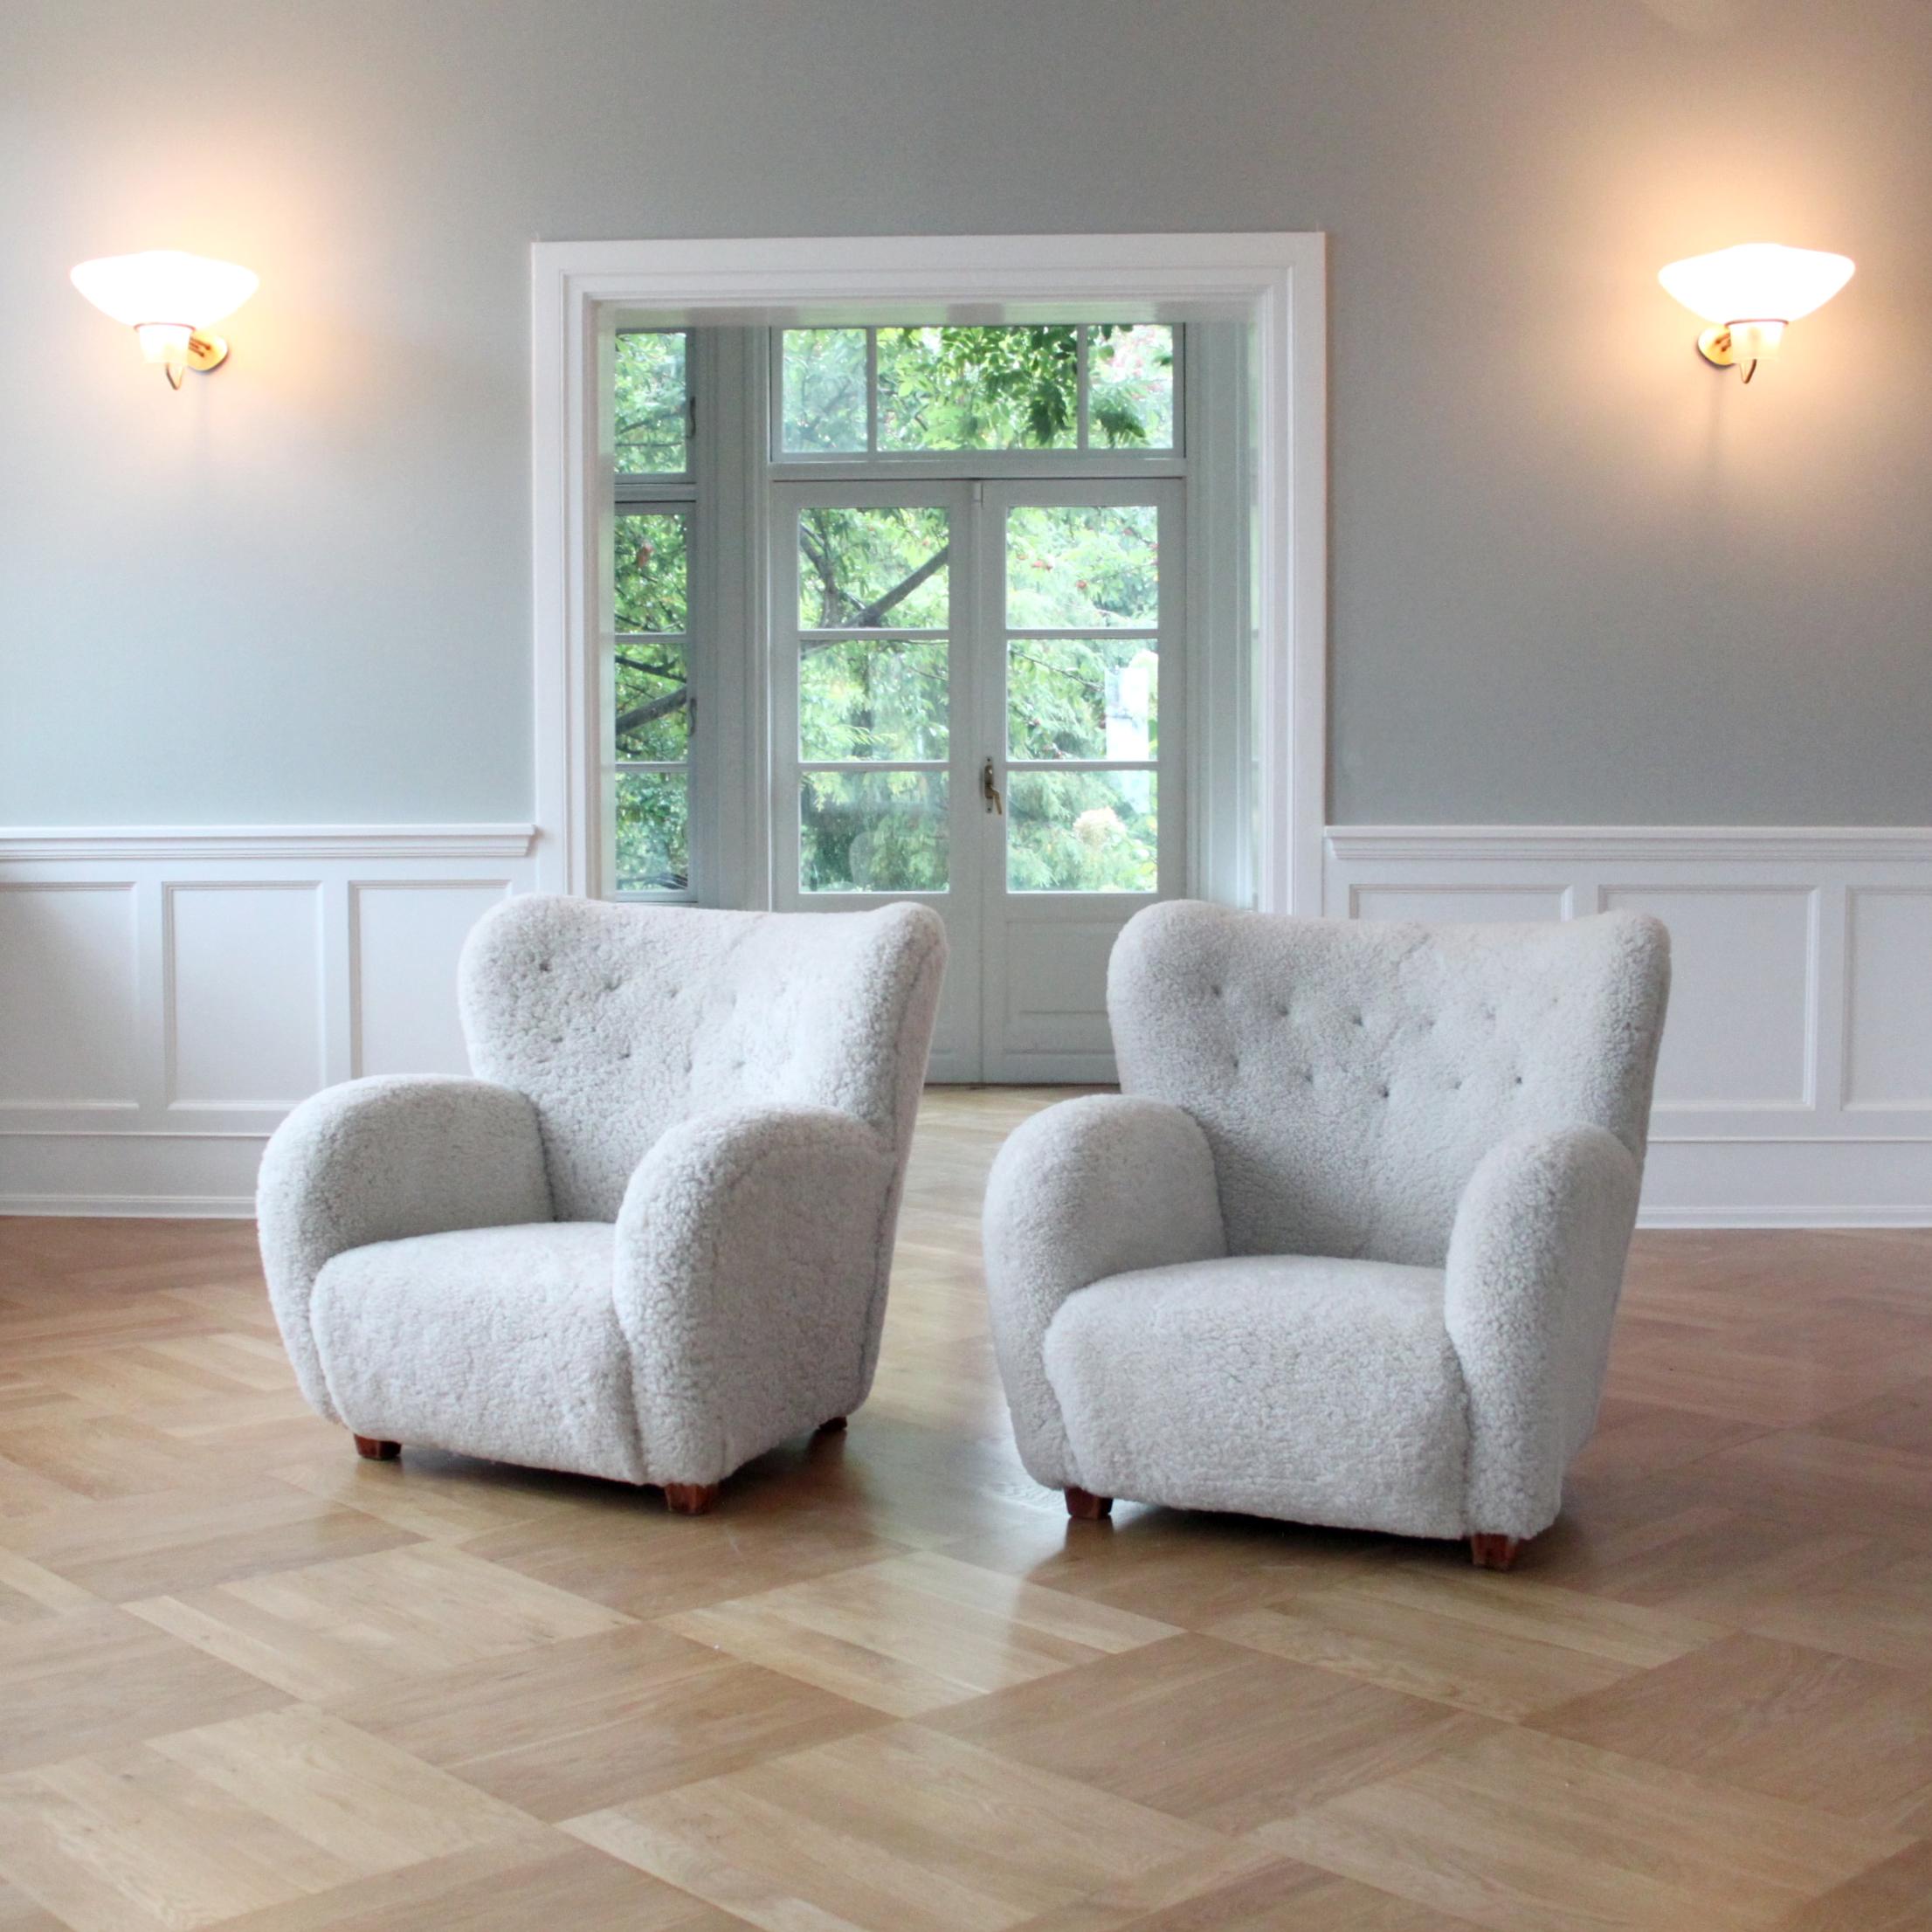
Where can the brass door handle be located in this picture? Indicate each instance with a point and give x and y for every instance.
(990, 791)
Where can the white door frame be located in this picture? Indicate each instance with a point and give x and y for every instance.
(1277, 281)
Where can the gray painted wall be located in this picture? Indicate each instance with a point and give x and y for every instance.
(1576, 577)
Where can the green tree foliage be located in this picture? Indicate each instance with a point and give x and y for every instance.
(652, 398)
(652, 717)
(978, 389)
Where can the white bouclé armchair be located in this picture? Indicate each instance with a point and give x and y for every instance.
(651, 1239)
(1346, 1247)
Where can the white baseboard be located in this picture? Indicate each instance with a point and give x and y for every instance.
(134, 1207)
(1828, 1215)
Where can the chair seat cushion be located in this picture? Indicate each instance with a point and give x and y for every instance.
(1312, 1389)
(498, 1342)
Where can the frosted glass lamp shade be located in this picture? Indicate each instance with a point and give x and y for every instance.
(1757, 281)
(163, 285)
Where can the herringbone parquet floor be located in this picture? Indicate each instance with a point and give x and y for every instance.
(246, 1679)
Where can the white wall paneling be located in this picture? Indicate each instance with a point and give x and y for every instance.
(1795, 1086)
(166, 994)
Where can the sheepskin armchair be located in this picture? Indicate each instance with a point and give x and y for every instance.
(1346, 1247)
(651, 1239)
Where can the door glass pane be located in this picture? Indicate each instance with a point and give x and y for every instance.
(825, 391)
(1082, 697)
(882, 831)
(651, 577)
(653, 847)
(652, 717)
(872, 698)
(869, 569)
(1080, 831)
(652, 415)
(1083, 565)
(1130, 386)
(979, 389)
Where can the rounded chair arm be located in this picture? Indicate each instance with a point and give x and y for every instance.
(1534, 1270)
(380, 1159)
(1090, 1187)
(753, 1249)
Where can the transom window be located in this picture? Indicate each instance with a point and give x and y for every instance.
(922, 392)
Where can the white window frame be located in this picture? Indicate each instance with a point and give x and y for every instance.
(1276, 281)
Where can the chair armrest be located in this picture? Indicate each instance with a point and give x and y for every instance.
(1087, 1189)
(753, 1250)
(376, 1160)
(1535, 1269)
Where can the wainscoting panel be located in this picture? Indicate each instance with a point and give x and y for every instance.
(1888, 985)
(68, 975)
(1744, 971)
(166, 995)
(1795, 1086)
(404, 937)
(244, 978)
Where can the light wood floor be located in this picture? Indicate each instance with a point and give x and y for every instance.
(246, 1679)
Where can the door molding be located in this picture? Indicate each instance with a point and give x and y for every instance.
(1276, 282)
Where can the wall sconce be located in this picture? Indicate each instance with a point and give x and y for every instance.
(168, 299)
(1749, 293)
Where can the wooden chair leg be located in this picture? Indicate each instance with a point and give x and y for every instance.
(1490, 1551)
(835, 1427)
(690, 1499)
(369, 1447)
(1083, 1506)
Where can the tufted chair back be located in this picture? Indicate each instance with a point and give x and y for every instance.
(620, 1021)
(1349, 1075)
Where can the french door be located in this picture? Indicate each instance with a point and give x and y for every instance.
(976, 692)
